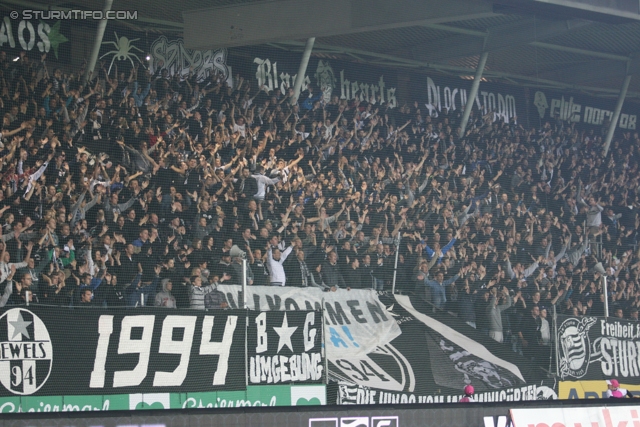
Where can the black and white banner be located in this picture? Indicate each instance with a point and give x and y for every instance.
(382, 349)
(545, 105)
(598, 348)
(285, 347)
(56, 351)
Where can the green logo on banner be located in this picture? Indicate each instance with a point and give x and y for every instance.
(280, 395)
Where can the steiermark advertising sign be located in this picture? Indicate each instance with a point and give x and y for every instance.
(280, 395)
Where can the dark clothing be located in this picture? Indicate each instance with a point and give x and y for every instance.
(353, 277)
(248, 187)
(331, 275)
(127, 270)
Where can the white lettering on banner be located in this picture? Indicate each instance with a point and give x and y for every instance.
(27, 38)
(618, 329)
(142, 347)
(359, 395)
(620, 353)
(620, 416)
(191, 403)
(26, 357)
(502, 105)
(276, 369)
(174, 57)
(267, 75)
(569, 110)
(10, 407)
(617, 349)
(296, 368)
(356, 323)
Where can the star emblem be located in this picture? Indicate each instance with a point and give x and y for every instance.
(285, 333)
(56, 38)
(20, 327)
(390, 310)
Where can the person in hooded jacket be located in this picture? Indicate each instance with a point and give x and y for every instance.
(164, 298)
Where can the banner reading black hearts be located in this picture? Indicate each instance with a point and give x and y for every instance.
(598, 348)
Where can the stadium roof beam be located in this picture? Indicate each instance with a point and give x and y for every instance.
(395, 61)
(253, 23)
(616, 114)
(473, 92)
(595, 71)
(539, 44)
(302, 70)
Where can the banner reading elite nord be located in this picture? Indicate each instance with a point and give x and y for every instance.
(598, 348)
(546, 105)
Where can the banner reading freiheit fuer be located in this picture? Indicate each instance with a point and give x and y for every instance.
(598, 348)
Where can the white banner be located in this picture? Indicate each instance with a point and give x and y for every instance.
(597, 416)
(356, 322)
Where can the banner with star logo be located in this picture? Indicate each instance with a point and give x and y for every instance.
(285, 347)
(52, 351)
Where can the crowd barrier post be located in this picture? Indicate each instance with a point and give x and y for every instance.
(246, 324)
(395, 267)
(324, 347)
(605, 290)
(244, 283)
(555, 341)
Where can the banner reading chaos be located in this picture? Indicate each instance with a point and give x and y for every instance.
(597, 348)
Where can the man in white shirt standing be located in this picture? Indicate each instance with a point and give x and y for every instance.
(275, 259)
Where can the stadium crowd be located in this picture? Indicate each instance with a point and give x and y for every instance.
(141, 188)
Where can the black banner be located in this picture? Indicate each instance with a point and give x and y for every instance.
(285, 347)
(437, 93)
(55, 351)
(598, 348)
(392, 349)
(547, 106)
(432, 360)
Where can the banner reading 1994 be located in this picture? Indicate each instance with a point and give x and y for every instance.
(49, 351)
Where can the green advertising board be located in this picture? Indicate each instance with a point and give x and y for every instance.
(278, 395)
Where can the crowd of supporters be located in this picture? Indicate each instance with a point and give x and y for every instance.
(143, 189)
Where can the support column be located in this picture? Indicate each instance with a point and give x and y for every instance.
(471, 99)
(302, 71)
(616, 114)
(102, 25)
